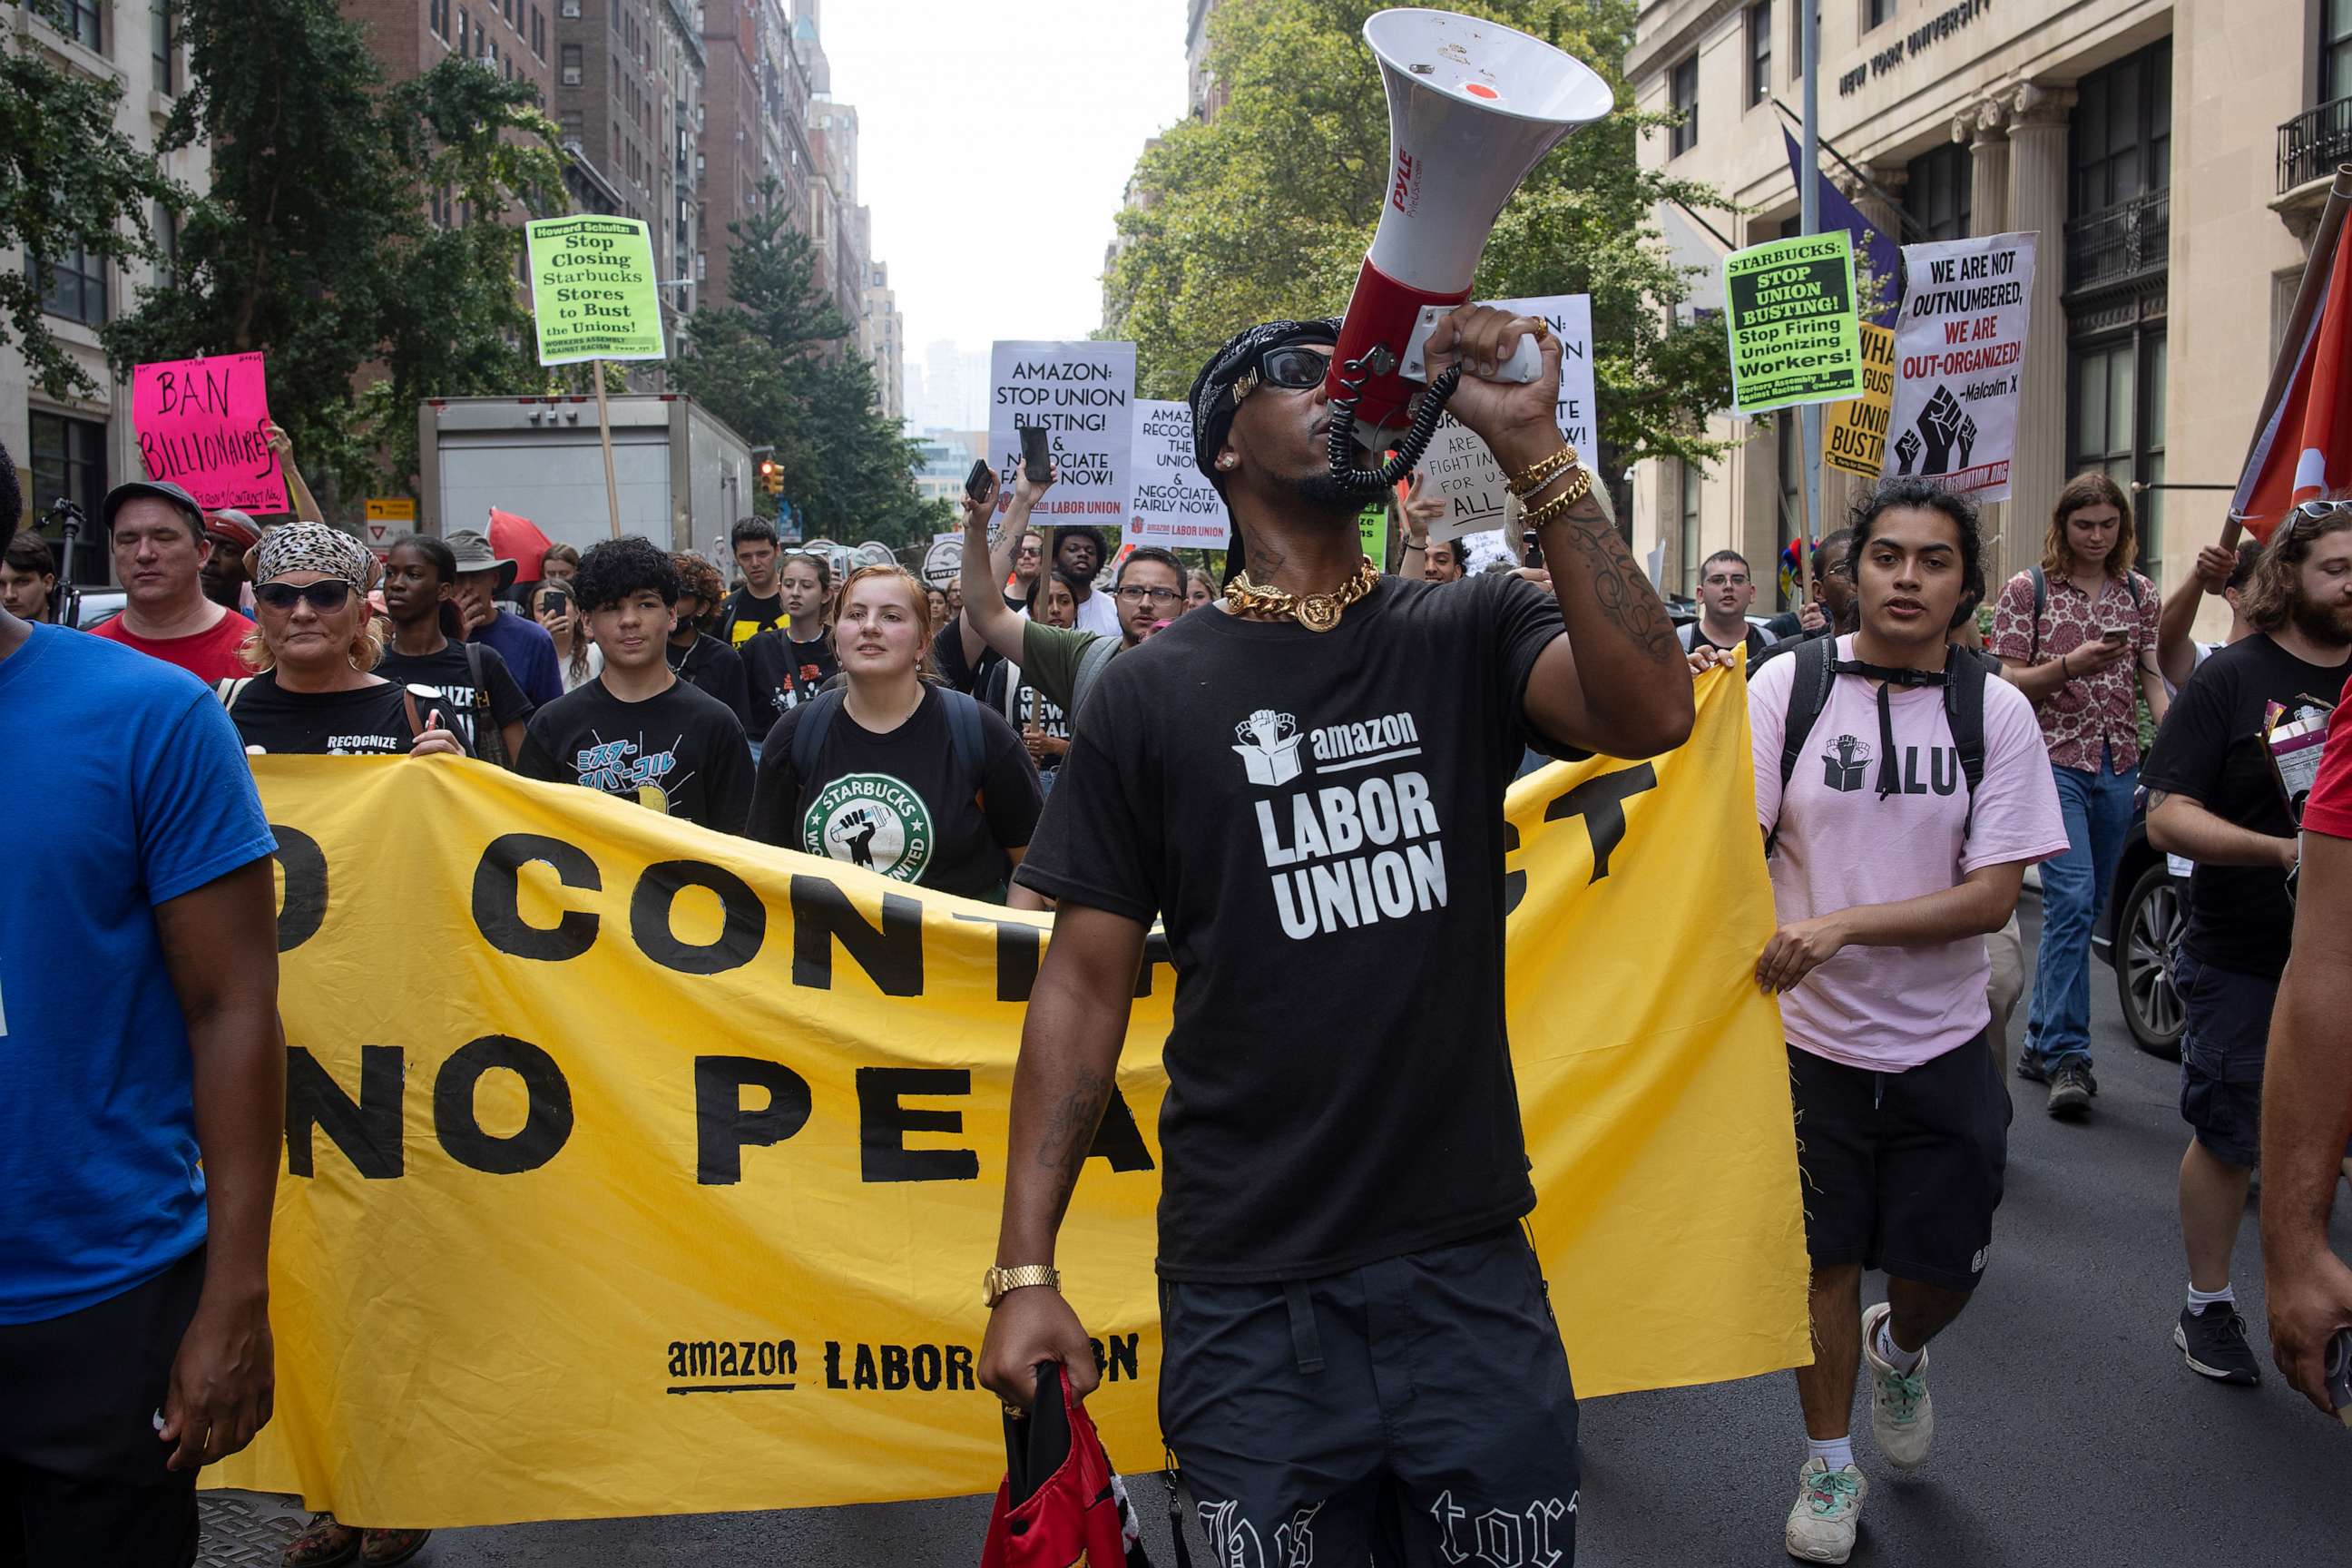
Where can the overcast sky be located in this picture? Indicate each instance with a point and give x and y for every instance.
(964, 110)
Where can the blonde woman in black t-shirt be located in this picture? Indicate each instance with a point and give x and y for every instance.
(314, 648)
(891, 772)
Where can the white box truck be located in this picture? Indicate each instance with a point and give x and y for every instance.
(683, 477)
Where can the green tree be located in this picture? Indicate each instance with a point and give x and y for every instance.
(67, 177)
(1266, 211)
(313, 244)
(771, 364)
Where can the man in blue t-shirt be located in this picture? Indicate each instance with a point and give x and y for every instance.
(482, 576)
(142, 1095)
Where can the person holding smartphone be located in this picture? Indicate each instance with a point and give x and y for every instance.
(556, 608)
(2077, 633)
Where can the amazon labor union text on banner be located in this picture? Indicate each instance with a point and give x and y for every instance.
(1790, 308)
(1959, 356)
(1173, 505)
(593, 291)
(1083, 393)
(653, 1170)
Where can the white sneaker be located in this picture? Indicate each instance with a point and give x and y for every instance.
(1902, 1415)
(1827, 1511)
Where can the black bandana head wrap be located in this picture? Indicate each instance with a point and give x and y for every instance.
(1212, 400)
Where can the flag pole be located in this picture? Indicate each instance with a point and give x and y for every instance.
(1809, 198)
(604, 438)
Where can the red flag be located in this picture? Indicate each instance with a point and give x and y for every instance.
(519, 540)
(2302, 444)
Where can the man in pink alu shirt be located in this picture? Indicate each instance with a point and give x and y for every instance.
(1888, 872)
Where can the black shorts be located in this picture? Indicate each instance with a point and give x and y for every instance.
(1417, 1410)
(1902, 1171)
(82, 1479)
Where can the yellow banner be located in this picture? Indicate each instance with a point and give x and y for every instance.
(633, 1169)
(1853, 433)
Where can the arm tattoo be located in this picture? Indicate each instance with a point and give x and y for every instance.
(2157, 798)
(1626, 597)
(1070, 1133)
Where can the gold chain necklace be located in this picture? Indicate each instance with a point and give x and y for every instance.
(1316, 612)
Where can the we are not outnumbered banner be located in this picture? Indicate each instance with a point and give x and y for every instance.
(635, 1169)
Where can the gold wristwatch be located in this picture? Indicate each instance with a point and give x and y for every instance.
(997, 1282)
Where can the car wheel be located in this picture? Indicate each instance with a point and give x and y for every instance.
(2152, 914)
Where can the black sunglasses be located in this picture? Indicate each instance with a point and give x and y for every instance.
(1294, 367)
(327, 595)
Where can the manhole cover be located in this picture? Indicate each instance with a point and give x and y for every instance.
(238, 1534)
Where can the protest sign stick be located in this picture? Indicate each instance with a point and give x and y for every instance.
(605, 439)
(1809, 205)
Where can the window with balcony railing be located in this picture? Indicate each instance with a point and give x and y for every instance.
(2119, 242)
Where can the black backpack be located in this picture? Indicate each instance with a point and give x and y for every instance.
(818, 713)
(2041, 603)
(1965, 673)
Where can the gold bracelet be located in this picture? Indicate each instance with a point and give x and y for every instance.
(1531, 480)
(1552, 510)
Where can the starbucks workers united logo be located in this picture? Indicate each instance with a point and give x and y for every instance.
(874, 821)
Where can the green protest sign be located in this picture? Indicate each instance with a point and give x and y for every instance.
(1373, 526)
(592, 290)
(1790, 308)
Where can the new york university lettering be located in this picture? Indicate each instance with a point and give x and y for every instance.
(1348, 853)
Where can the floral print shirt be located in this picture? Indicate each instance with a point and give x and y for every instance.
(2090, 711)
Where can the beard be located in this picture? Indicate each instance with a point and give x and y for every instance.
(2328, 624)
(1321, 492)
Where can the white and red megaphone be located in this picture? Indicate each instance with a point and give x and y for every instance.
(1473, 105)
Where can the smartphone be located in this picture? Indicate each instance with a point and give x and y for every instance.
(976, 484)
(2115, 635)
(1036, 454)
(1530, 548)
(550, 602)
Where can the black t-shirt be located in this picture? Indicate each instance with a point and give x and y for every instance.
(713, 666)
(2210, 750)
(682, 752)
(783, 674)
(448, 673)
(899, 804)
(747, 616)
(947, 658)
(1020, 703)
(368, 721)
(1318, 819)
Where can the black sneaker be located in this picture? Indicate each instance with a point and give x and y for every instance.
(2214, 1342)
(2071, 1088)
(2030, 1067)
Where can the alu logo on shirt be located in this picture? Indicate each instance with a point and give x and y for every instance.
(1359, 845)
(1269, 747)
(1845, 767)
(873, 821)
(1843, 764)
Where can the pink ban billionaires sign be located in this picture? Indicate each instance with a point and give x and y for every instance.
(199, 422)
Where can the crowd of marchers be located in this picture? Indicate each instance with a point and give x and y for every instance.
(1922, 737)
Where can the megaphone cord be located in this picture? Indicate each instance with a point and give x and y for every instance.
(1416, 440)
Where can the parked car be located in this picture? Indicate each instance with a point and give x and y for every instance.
(99, 604)
(2146, 905)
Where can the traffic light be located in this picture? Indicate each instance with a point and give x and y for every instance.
(772, 477)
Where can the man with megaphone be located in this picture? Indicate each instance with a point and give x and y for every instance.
(1306, 784)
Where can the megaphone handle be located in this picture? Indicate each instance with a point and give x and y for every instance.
(1525, 364)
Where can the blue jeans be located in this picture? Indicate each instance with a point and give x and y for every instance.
(2097, 807)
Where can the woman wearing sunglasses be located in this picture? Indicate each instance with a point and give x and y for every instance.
(315, 646)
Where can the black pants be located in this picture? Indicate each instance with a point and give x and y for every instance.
(82, 1479)
(1417, 1410)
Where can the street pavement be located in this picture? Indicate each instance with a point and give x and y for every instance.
(2067, 1431)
